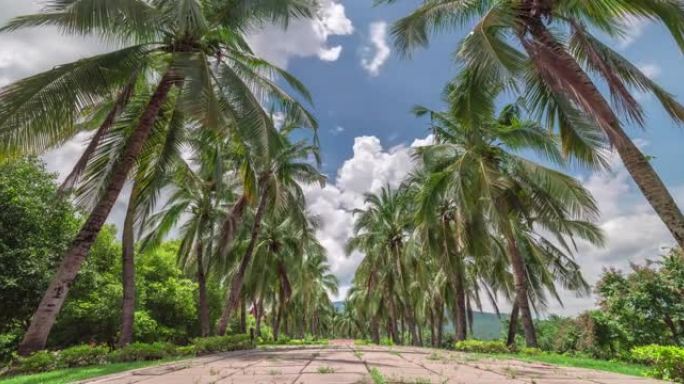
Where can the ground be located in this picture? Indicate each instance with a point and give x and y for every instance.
(344, 363)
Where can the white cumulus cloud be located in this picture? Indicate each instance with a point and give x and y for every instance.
(304, 37)
(378, 51)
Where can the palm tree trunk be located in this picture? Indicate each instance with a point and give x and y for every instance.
(128, 271)
(119, 105)
(259, 314)
(567, 73)
(202, 287)
(455, 269)
(513, 324)
(236, 283)
(520, 281)
(469, 310)
(230, 224)
(51, 303)
(440, 324)
(461, 312)
(375, 330)
(243, 316)
(275, 309)
(433, 334)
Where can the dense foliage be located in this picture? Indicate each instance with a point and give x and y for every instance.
(639, 308)
(36, 225)
(667, 361)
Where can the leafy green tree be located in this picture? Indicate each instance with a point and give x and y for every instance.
(36, 226)
(545, 50)
(648, 301)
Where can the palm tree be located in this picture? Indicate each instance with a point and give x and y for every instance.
(200, 197)
(278, 178)
(552, 72)
(474, 159)
(380, 231)
(159, 156)
(175, 44)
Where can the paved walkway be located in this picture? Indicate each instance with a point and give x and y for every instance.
(348, 364)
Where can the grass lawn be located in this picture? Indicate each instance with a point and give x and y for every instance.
(581, 362)
(70, 375)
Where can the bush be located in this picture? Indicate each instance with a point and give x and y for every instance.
(8, 344)
(222, 343)
(531, 351)
(143, 351)
(82, 355)
(38, 362)
(480, 346)
(667, 361)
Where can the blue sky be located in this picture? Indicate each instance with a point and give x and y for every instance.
(363, 95)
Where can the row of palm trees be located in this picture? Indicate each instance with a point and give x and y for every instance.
(178, 107)
(475, 220)
(476, 216)
(183, 81)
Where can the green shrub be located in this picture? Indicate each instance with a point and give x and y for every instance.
(82, 355)
(143, 351)
(667, 361)
(480, 346)
(8, 344)
(222, 343)
(40, 361)
(386, 341)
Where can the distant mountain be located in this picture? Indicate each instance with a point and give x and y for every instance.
(486, 326)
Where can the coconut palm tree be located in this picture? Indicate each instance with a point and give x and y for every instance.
(186, 45)
(475, 159)
(552, 70)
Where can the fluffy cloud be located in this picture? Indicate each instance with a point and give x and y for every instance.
(304, 38)
(369, 169)
(376, 54)
(26, 52)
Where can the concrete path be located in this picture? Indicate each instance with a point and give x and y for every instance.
(342, 363)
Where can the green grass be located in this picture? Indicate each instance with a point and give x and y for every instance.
(70, 375)
(377, 377)
(580, 362)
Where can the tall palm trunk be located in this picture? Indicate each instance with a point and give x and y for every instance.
(119, 105)
(375, 329)
(259, 308)
(566, 72)
(243, 316)
(203, 307)
(50, 305)
(275, 310)
(513, 324)
(230, 224)
(236, 283)
(471, 316)
(520, 281)
(455, 272)
(128, 271)
(433, 333)
(440, 324)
